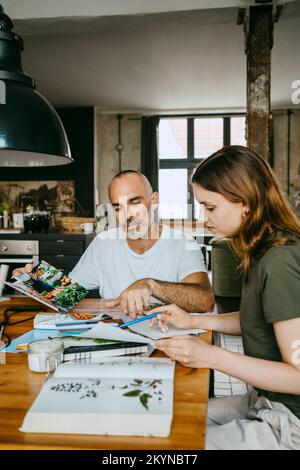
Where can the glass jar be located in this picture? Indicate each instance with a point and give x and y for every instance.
(29, 222)
(37, 221)
(45, 355)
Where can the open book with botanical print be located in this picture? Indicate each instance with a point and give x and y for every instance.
(122, 396)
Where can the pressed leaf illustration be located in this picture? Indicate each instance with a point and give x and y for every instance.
(133, 393)
(143, 394)
(144, 399)
(95, 387)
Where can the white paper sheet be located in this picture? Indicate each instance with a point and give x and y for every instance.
(143, 328)
(106, 331)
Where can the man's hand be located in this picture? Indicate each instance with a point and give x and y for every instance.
(135, 298)
(27, 269)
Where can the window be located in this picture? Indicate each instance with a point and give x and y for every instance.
(208, 136)
(182, 143)
(173, 193)
(238, 131)
(172, 138)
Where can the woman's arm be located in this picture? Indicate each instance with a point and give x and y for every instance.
(273, 376)
(280, 377)
(226, 323)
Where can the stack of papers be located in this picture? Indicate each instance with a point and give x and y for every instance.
(64, 322)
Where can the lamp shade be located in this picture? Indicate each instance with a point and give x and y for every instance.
(31, 132)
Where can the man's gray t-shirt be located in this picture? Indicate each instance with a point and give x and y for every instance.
(110, 265)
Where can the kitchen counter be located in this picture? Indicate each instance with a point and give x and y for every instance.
(48, 236)
(61, 249)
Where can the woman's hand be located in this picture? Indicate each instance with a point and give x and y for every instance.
(190, 351)
(171, 314)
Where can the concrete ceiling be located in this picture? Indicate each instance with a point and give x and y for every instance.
(28, 9)
(141, 56)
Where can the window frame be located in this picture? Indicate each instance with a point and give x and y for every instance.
(190, 162)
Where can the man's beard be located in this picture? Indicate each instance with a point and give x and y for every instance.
(141, 228)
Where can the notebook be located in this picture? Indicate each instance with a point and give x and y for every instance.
(88, 350)
(124, 396)
(97, 335)
(49, 286)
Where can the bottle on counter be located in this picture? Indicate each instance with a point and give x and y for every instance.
(1, 220)
(5, 219)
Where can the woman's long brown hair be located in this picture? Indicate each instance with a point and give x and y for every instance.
(240, 175)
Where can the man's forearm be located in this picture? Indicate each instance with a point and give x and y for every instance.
(190, 297)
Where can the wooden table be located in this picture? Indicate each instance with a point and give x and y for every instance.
(19, 387)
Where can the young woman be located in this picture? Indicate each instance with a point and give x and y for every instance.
(242, 200)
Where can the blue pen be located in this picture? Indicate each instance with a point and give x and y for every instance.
(137, 320)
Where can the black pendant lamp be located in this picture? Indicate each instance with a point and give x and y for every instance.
(31, 132)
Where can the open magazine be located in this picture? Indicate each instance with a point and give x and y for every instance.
(50, 286)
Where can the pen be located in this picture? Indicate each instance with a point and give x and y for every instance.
(137, 320)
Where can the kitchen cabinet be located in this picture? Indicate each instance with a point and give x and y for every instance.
(62, 250)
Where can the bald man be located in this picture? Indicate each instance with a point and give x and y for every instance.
(139, 260)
